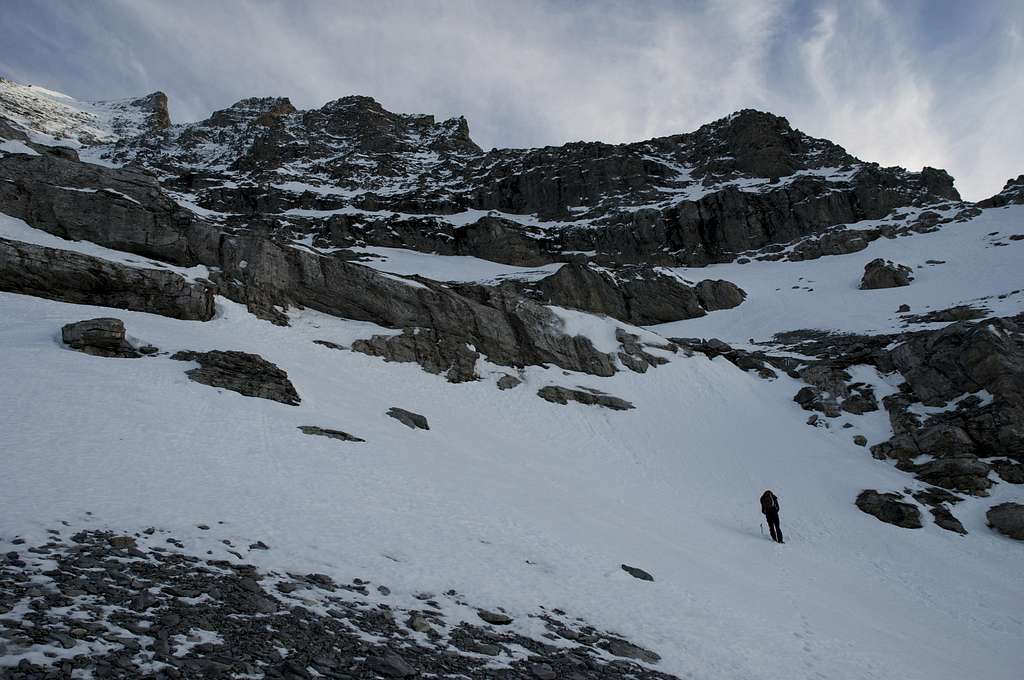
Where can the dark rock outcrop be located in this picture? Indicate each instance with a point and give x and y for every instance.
(1007, 519)
(508, 382)
(497, 322)
(436, 354)
(411, 420)
(888, 508)
(945, 520)
(584, 395)
(82, 279)
(247, 374)
(103, 337)
(881, 273)
(327, 432)
(637, 295)
(1008, 470)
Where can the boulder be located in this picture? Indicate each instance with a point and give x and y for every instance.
(960, 473)
(637, 573)
(247, 374)
(508, 382)
(391, 665)
(945, 519)
(494, 618)
(1008, 470)
(104, 337)
(411, 420)
(718, 294)
(888, 508)
(881, 273)
(1007, 519)
(628, 650)
(584, 395)
(332, 434)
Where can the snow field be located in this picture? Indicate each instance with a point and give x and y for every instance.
(510, 500)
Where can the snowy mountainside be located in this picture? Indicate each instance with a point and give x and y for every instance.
(600, 356)
(53, 118)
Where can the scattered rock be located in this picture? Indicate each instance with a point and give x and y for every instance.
(333, 434)
(543, 671)
(563, 395)
(888, 508)
(495, 618)
(1007, 519)
(435, 353)
(408, 418)
(104, 337)
(860, 440)
(881, 273)
(508, 382)
(619, 647)
(390, 664)
(1008, 470)
(637, 573)
(945, 519)
(247, 374)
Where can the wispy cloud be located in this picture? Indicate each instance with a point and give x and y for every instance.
(912, 83)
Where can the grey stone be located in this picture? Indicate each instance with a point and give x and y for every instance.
(436, 354)
(637, 573)
(247, 374)
(888, 508)
(411, 420)
(103, 337)
(543, 671)
(508, 382)
(390, 664)
(881, 273)
(495, 618)
(333, 434)
(563, 395)
(1007, 519)
(623, 648)
(945, 519)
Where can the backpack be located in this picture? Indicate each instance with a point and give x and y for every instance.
(769, 503)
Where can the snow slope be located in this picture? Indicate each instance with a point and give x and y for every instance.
(56, 119)
(824, 293)
(511, 500)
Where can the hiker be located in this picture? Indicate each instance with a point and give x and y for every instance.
(770, 509)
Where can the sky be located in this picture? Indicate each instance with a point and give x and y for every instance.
(909, 82)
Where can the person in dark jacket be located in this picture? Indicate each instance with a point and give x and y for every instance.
(770, 509)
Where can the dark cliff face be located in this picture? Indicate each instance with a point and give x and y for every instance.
(743, 182)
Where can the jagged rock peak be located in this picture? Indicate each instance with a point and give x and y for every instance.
(365, 116)
(1012, 193)
(262, 110)
(155, 105)
(762, 145)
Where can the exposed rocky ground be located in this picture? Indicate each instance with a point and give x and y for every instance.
(105, 605)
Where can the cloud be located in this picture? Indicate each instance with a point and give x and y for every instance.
(910, 83)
